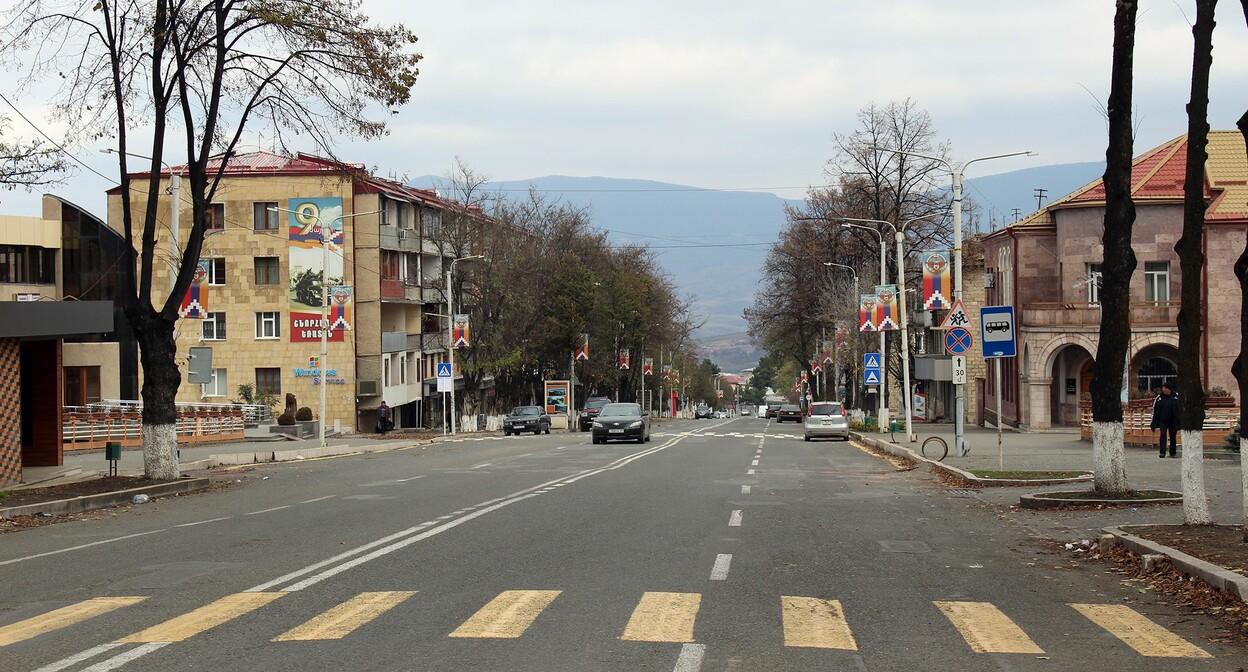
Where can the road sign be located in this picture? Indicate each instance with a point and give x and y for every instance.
(958, 341)
(871, 376)
(957, 317)
(871, 369)
(997, 331)
(444, 370)
(871, 360)
(959, 370)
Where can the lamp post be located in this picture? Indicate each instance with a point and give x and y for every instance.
(956, 172)
(831, 264)
(883, 412)
(450, 325)
(175, 210)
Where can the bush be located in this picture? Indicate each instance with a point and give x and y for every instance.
(1232, 439)
(303, 414)
(866, 426)
(285, 419)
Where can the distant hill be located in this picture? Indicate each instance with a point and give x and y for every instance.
(999, 195)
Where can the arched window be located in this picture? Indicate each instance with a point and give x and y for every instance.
(1155, 372)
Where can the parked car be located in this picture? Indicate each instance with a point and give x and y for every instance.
(745, 410)
(702, 411)
(827, 418)
(621, 422)
(592, 406)
(789, 412)
(526, 419)
(770, 411)
(721, 415)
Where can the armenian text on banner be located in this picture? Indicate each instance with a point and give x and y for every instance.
(195, 303)
(460, 336)
(647, 366)
(582, 352)
(314, 222)
(866, 312)
(886, 307)
(624, 359)
(937, 285)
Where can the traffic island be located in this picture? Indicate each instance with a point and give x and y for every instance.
(1082, 498)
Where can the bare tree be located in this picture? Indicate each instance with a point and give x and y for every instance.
(27, 164)
(1191, 264)
(1108, 452)
(197, 73)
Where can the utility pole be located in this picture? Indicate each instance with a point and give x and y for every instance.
(1040, 192)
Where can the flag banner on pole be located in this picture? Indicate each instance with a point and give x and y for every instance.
(624, 359)
(840, 337)
(804, 377)
(886, 307)
(340, 313)
(647, 366)
(459, 331)
(827, 351)
(582, 353)
(667, 372)
(816, 366)
(195, 303)
(937, 285)
(866, 312)
(719, 394)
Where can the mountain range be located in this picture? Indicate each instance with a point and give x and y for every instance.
(712, 243)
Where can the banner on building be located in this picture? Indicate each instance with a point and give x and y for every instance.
(937, 285)
(582, 352)
(886, 308)
(624, 362)
(647, 366)
(313, 224)
(866, 312)
(460, 337)
(195, 303)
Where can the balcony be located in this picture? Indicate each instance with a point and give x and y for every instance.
(394, 238)
(394, 341)
(433, 342)
(1143, 314)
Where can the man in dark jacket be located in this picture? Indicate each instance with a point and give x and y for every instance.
(1166, 418)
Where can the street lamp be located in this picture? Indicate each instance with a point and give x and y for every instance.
(450, 344)
(899, 237)
(836, 377)
(956, 172)
(883, 405)
(175, 209)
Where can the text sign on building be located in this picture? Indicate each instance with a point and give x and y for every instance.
(313, 225)
(959, 370)
(996, 325)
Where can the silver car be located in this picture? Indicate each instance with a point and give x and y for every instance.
(826, 419)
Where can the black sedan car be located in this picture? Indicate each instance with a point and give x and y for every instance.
(621, 422)
(789, 412)
(526, 419)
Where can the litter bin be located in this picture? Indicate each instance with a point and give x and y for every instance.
(112, 451)
(481, 422)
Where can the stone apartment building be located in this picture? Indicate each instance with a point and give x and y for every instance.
(1048, 266)
(261, 268)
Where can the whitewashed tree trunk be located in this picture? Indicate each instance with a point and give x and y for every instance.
(1195, 504)
(160, 451)
(1109, 458)
(1243, 477)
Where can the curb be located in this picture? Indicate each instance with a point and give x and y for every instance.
(911, 454)
(87, 502)
(292, 455)
(1218, 577)
(1038, 501)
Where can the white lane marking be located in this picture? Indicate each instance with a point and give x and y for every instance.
(483, 464)
(446, 517)
(735, 519)
(203, 522)
(745, 489)
(720, 571)
(690, 658)
(754, 463)
(318, 499)
(398, 480)
(276, 508)
(79, 657)
(749, 472)
(123, 658)
(78, 548)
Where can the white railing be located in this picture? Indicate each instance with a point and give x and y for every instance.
(94, 425)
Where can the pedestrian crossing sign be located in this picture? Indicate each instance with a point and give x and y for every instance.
(871, 360)
(444, 370)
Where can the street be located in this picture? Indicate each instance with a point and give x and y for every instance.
(720, 545)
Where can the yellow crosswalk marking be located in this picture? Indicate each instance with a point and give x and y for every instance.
(987, 629)
(63, 617)
(815, 623)
(1139, 633)
(345, 618)
(663, 617)
(508, 615)
(204, 618)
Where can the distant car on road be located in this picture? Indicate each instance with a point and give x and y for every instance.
(593, 406)
(745, 410)
(526, 419)
(789, 412)
(770, 410)
(621, 422)
(702, 411)
(826, 419)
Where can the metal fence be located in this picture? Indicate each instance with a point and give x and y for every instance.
(121, 421)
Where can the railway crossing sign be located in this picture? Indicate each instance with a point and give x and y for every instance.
(958, 341)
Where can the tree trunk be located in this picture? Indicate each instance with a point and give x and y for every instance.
(1192, 263)
(161, 379)
(1238, 368)
(1108, 452)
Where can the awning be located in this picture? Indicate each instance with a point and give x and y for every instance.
(54, 319)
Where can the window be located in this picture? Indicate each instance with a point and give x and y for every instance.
(212, 328)
(268, 271)
(216, 271)
(216, 217)
(1155, 372)
(386, 364)
(1093, 281)
(402, 370)
(1156, 281)
(267, 325)
(268, 381)
(265, 216)
(82, 385)
(218, 387)
(391, 262)
(26, 264)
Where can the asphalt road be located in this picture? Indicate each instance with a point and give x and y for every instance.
(720, 545)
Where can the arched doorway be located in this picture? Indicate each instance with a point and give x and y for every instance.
(1071, 372)
(1155, 365)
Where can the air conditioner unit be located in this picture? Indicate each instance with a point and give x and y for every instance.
(366, 388)
(990, 280)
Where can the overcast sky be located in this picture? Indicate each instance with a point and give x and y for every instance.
(747, 95)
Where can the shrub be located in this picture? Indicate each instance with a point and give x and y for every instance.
(285, 419)
(1232, 439)
(304, 414)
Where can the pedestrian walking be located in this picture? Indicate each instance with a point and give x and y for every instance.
(1166, 418)
(383, 418)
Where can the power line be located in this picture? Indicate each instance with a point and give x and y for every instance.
(56, 144)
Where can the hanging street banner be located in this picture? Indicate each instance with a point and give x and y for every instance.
(459, 331)
(624, 359)
(886, 308)
(340, 313)
(937, 285)
(195, 303)
(314, 223)
(841, 335)
(667, 372)
(582, 353)
(827, 352)
(647, 366)
(866, 312)
(816, 366)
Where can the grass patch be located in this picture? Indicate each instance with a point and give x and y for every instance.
(5, 494)
(1027, 475)
(1092, 494)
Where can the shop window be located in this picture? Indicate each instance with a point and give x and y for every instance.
(82, 385)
